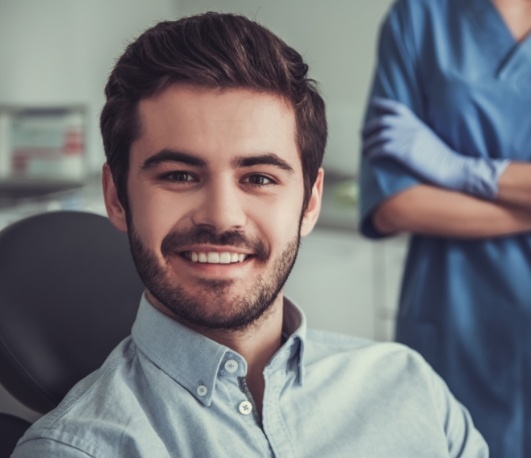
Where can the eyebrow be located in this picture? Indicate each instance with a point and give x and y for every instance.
(262, 159)
(169, 155)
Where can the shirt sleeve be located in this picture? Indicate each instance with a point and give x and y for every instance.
(396, 77)
(48, 448)
(464, 440)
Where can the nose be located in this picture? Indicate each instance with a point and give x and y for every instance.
(222, 206)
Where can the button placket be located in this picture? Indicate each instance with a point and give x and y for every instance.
(232, 367)
(245, 407)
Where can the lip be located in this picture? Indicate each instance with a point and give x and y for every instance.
(214, 249)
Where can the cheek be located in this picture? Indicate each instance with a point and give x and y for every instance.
(152, 219)
(279, 222)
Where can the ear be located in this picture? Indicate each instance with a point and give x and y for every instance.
(115, 210)
(314, 205)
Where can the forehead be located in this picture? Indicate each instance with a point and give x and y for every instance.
(216, 124)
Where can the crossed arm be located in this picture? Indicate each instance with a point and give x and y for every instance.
(466, 197)
(430, 210)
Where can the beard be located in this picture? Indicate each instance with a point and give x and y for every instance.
(214, 304)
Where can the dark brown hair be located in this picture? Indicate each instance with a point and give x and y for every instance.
(212, 50)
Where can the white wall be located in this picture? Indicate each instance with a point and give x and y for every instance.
(338, 40)
(61, 51)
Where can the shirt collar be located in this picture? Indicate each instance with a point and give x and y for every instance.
(290, 355)
(195, 361)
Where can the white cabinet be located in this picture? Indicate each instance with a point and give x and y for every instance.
(332, 282)
(389, 257)
(346, 283)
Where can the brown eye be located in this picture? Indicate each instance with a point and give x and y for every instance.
(177, 177)
(259, 180)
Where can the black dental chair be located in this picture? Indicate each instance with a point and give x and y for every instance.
(69, 293)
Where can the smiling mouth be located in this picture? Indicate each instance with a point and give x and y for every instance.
(213, 257)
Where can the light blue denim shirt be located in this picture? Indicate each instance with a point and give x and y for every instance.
(168, 391)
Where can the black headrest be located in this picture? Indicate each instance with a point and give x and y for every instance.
(12, 428)
(69, 293)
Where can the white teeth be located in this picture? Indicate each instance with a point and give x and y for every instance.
(224, 258)
(215, 257)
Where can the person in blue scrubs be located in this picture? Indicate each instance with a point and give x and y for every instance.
(446, 152)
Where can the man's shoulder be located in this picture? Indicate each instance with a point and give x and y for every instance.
(390, 386)
(379, 369)
(336, 341)
(98, 406)
(390, 359)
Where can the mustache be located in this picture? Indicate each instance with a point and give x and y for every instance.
(175, 240)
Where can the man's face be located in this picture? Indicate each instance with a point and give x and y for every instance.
(215, 191)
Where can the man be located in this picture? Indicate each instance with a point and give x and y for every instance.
(214, 139)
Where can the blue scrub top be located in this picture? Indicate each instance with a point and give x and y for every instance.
(464, 304)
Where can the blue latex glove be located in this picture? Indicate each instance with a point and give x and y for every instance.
(398, 134)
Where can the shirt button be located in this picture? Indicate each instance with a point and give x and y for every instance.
(202, 390)
(231, 366)
(245, 407)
